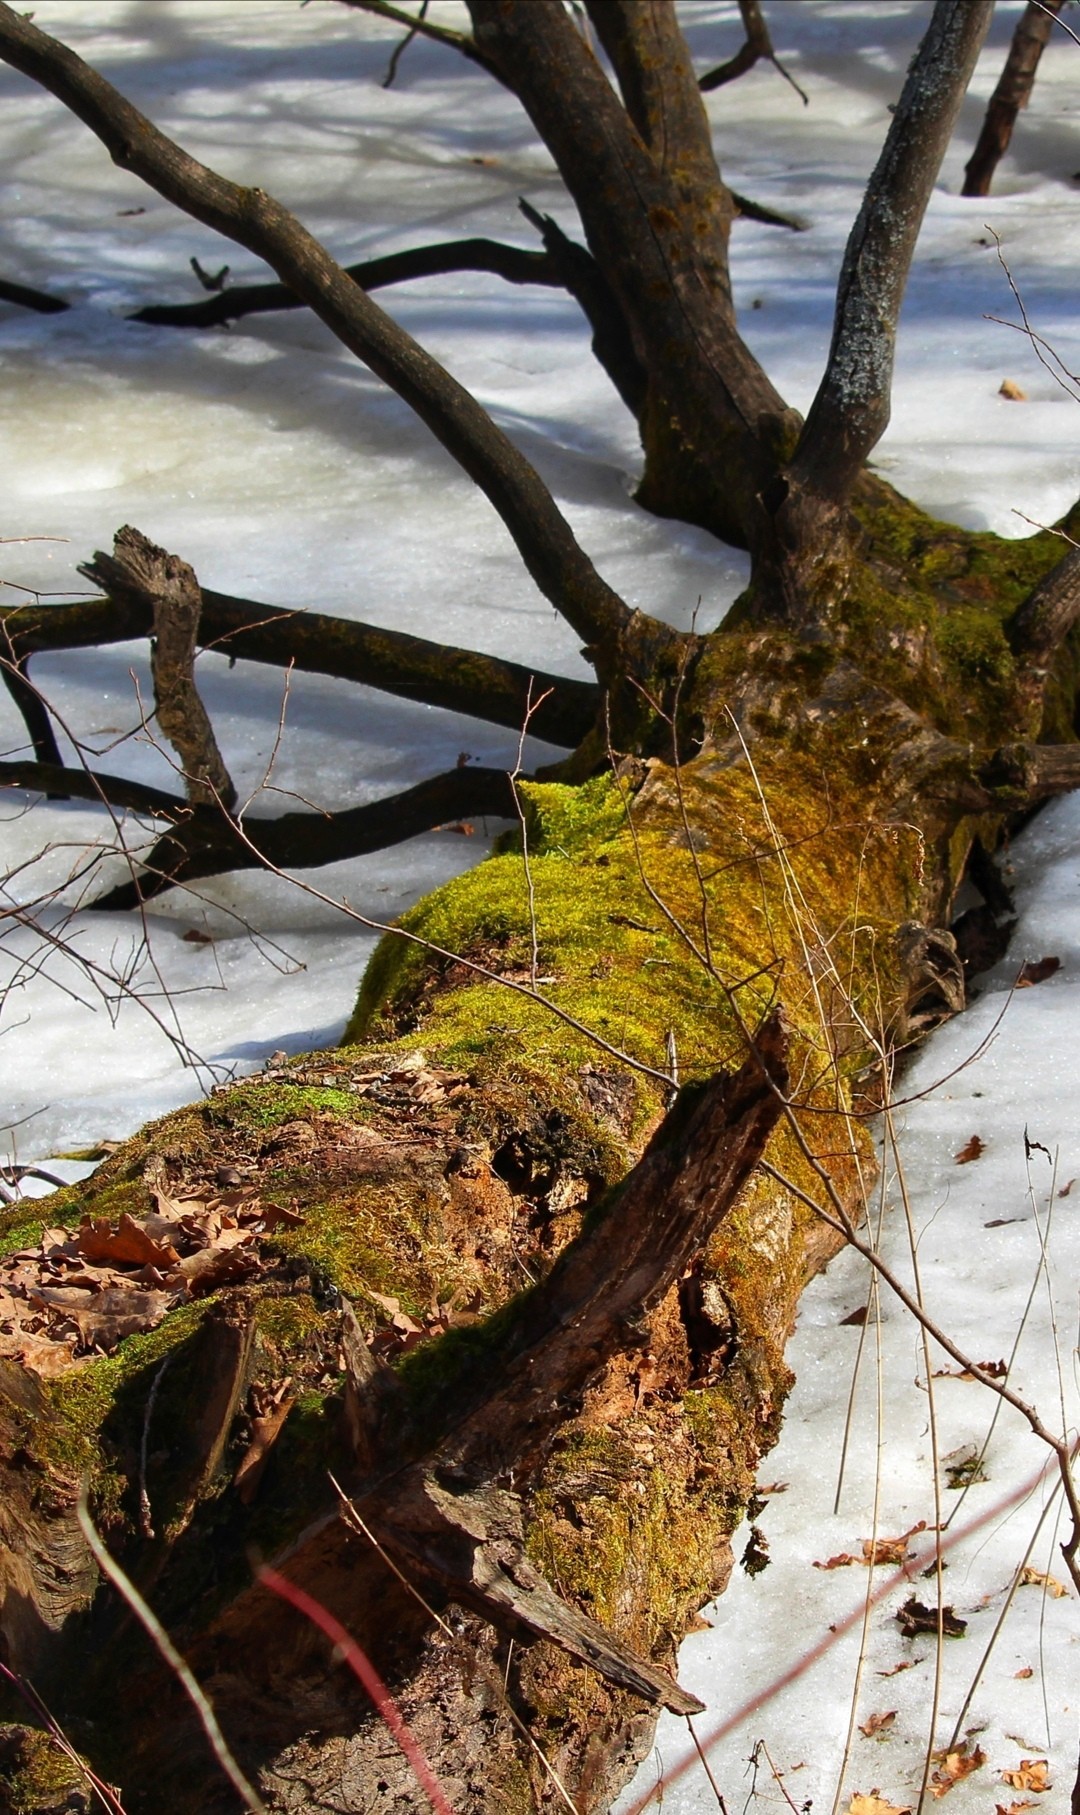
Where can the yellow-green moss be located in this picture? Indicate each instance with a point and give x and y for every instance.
(267, 1103)
(40, 1776)
(83, 1400)
(638, 1556)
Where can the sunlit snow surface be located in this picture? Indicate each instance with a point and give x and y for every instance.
(272, 461)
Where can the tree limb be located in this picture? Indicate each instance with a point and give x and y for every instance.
(34, 712)
(560, 568)
(657, 225)
(206, 842)
(516, 264)
(851, 410)
(758, 44)
(426, 28)
(59, 782)
(581, 276)
(26, 298)
(435, 674)
(1013, 92)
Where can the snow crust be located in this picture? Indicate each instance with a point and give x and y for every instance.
(271, 460)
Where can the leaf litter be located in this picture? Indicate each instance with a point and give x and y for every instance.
(81, 1291)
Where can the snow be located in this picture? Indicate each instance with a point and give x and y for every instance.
(281, 469)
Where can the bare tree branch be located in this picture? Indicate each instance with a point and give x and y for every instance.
(758, 45)
(581, 276)
(418, 26)
(1013, 92)
(560, 568)
(60, 782)
(670, 280)
(435, 674)
(34, 712)
(207, 842)
(26, 298)
(851, 410)
(516, 264)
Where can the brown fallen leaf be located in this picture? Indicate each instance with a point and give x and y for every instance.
(915, 1617)
(1022, 1675)
(194, 937)
(877, 1723)
(1036, 1578)
(128, 1242)
(102, 1318)
(1010, 389)
(889, 1551)
(906, 1663)
(40, 1354)
(970, 1151)
(277, 1216)
(953, 1766)
(1030, 1774)
(265, 1432)
(1036, 971)
(1014, 1808)
(842, 1561)
(1065, 1189)
(995, 1370)
(209, 1268)
(875, 1804)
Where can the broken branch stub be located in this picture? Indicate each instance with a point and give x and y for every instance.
(137, 567)
(444, 1517)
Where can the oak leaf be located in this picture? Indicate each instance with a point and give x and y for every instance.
(875, 1804)
(1030, 1774)
(953, 1766)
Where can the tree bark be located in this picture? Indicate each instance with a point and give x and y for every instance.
(851, 409)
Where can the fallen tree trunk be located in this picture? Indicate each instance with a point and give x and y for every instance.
(503, 1265)
(564, 1467)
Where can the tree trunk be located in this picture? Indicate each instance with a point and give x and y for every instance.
(1013, 92)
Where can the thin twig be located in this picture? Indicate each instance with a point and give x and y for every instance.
(146, 1524)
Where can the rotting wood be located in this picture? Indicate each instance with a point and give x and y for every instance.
(138, 566)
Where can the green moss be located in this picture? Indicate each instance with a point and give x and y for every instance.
(256, 1103)
(36, 1776)
(112, 1389)
(633, 1545)
(286, 1324)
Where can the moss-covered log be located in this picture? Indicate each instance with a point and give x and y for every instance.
(513, 1052)
(516, 1264)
